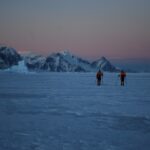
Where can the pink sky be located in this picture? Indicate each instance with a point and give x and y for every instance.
(91, 29)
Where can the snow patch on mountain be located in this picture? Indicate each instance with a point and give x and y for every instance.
(20, 68)
(34, 62)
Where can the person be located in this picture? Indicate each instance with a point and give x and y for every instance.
(99, 76)
(122, 76)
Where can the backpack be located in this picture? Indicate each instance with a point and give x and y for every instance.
(123, 74)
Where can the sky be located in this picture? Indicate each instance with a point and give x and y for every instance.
(88, 28)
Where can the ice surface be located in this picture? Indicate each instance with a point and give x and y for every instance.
(67, 111)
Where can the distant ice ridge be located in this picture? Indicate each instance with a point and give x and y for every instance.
(20, 68)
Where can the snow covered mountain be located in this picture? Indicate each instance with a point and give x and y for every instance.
(104, 65)
(62, 61)
(8, 57)
(66, 62)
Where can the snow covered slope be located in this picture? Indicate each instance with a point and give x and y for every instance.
(64, 61)
(20, 68)
(104, 65)
(67, 111)
(35, 62)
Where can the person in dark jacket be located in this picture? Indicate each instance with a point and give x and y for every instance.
(99, 76)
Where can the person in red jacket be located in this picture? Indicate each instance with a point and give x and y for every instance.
(99, 76)
(122, 77)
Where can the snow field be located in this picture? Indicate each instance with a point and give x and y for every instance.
(67, 111)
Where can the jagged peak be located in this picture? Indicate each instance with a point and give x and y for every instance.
(65, 52)
(61, 53)
(103, 58)
(7, 49)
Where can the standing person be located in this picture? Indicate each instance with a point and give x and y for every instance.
(122, 77)
(99, 76)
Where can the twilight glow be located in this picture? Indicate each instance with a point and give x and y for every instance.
(89, 28)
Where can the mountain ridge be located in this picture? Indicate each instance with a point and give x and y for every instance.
(62, 61)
